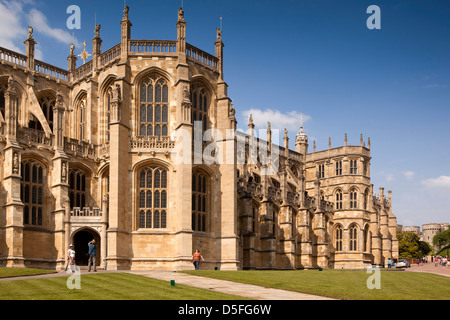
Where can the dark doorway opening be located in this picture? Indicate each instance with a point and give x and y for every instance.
(81, 240)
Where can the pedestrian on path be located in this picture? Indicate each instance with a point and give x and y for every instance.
(92, 256)
(71, 259)
(196, 257)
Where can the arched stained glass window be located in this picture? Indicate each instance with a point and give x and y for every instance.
(77, 189)
(32, 192)
(153, 198)
(353, 238)
(353, 199)
(154, 110)
(199, 99)
(199, 202)
(338, 238)
(338, 202)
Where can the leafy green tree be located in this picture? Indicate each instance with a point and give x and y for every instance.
(442, 239)
(424, 248)
(408, 245)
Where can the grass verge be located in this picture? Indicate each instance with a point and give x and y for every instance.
(343, 284)
(17, 272)
(114, 286)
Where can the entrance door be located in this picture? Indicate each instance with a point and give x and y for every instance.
(81, 240)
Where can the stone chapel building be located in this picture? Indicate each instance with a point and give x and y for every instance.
(88, 153)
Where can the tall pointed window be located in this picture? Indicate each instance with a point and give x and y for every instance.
(353, 167)
(353, 199)
(82, 118)
(32, 192)
(339, 168)
(154, 108)
(199, 99)
(47, 103)
(77, 189)
(199, 202)
(338, 238)
(2, 100)
(108, 114)
(153, 199)
(338, 202)
(353, 238)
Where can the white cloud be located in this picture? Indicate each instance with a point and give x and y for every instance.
(440, 182)
(387, 176)
(278, 120)
(11, 26)
(40, 24)
(16, 16)
(409, 174)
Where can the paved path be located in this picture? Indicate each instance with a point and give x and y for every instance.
(430, 268)
(234, 288)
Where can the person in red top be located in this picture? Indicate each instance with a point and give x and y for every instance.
(196, 257)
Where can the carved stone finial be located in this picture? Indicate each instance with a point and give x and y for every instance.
(219, 34)
(125, 12)
(30, 32)
(181, 15)
(97, 30)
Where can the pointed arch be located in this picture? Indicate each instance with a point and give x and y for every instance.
(353, 237)
(338, 231)
(201, 185)
(338, 196)
(151, 180)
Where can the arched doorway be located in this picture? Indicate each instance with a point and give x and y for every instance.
(80, 241)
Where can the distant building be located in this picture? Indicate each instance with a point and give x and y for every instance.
(428, 232)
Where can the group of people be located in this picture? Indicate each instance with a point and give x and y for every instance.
(92, 260)
(441, 261)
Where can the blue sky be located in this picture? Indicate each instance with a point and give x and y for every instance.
(314, 58)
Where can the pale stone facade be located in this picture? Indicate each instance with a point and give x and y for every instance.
(89, 152)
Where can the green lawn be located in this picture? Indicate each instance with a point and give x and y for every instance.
(16, 272)
(113, 286)
(344, 284)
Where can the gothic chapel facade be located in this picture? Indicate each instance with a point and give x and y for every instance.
(87, 153)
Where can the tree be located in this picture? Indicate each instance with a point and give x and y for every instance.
(442, 239)
(424, 248)
(408, 245)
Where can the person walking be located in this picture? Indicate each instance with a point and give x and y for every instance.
(389, 263)
(196, 257)
(71, 259)
(92, 256)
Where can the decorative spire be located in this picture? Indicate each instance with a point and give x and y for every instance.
(30, 33)
(301, 134)
(126, 10)
(286, 142)
(84, 55)
(181, 15)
